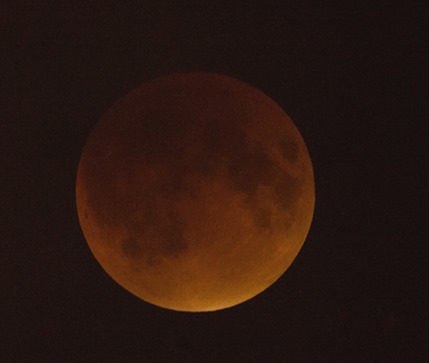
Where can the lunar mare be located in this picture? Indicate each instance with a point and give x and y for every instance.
(195, 192)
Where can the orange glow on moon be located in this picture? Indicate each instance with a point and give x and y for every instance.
(195, 192)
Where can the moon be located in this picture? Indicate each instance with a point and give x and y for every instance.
(195, 192)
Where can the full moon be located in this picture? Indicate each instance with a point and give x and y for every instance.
(195, 192)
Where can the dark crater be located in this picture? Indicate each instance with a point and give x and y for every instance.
(167, 229)
(248, 167)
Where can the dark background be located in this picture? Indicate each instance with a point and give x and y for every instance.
(351, 77)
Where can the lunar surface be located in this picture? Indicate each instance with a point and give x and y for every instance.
(195, 192)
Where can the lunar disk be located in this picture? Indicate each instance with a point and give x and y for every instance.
(195, 192)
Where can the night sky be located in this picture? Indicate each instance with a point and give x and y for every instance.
(352, 80)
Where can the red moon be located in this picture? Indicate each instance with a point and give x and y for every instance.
(195, 192)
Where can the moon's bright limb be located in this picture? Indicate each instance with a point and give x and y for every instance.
(195, 192)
